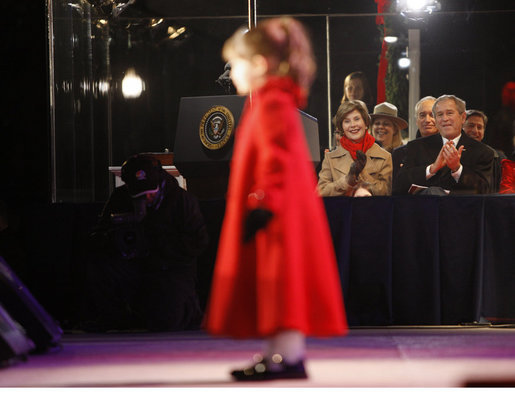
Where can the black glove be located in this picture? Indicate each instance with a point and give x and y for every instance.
(356, 168)
(255, 220)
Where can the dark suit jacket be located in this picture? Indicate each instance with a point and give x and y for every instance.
(477, 160)
(399, 156)
(398, 159)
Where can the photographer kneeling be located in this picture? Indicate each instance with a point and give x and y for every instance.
(143, 268)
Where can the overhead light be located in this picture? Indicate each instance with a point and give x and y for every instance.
(156, 21)
(391, 39)
(101, 23)
(132, 84)
(103, 86)
(173, 32)
(417, 9)
(404, 62)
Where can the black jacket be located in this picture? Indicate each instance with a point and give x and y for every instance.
(477, 161)
(173, 235)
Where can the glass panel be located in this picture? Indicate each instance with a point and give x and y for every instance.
(98, 123)
(174, 47)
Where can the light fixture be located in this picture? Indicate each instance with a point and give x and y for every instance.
(111, 7)
(101, 87)
(173, 32)
(132, 84)
(417, 9)
(101, 23)
(391, 39)
(404, 62)
(155, 22)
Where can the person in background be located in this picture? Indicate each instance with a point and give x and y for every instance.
(501, 128)
(386, 126)
(475, 124)
(356, 86)
(450, 160)
(359, 166)
(426, 125)
(275, 274)
(474, 127)
(142, 274)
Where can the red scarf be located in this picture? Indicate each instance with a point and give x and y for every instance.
(352, 147)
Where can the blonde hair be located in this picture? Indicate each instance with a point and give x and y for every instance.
(284, 42)
(367, 92)
(396, 139)
(396, 136)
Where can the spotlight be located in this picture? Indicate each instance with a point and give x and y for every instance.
(103, 86)
(132, 84)
(417, 9)
(391, 39)
(404, 62)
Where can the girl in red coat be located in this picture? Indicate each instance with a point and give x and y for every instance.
(275, 274)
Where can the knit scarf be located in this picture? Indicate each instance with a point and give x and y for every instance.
(352, 147)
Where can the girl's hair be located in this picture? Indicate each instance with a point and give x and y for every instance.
(367, 93)
(348, 106)
(284, 42)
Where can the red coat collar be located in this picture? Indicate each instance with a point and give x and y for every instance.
(285, 84)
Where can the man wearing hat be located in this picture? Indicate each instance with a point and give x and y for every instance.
(449, 161)
(147, 240)
(386, 126)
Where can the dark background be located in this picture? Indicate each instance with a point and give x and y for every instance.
(479, 68)
(54, 234)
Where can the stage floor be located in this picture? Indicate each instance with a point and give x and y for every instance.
(368, 357)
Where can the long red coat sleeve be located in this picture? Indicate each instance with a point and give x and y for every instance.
(286, 278)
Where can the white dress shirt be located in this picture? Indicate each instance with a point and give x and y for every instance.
(456, 175)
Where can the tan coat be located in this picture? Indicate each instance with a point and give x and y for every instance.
(336, 165)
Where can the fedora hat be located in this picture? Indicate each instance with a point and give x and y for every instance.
(389, 111)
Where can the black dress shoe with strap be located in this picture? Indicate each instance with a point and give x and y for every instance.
(277, 369)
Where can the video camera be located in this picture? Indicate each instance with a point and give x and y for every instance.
(127, 231)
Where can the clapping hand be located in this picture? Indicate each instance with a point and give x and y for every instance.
(452, 156)
(356, 168)
(449, 156)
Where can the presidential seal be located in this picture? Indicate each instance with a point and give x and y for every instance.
(216, 127)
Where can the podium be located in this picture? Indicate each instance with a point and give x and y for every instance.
(204, 141)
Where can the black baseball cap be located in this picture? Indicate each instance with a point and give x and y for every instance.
(141, 174)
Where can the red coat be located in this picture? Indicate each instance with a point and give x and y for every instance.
(286, 278)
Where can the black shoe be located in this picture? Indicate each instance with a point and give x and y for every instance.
(262, 370)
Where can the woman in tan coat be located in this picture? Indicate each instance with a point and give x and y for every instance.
(359, 166)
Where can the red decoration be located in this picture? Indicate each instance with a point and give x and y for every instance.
(508, 177)
(382, 6)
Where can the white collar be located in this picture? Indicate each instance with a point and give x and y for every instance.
(455, 140)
